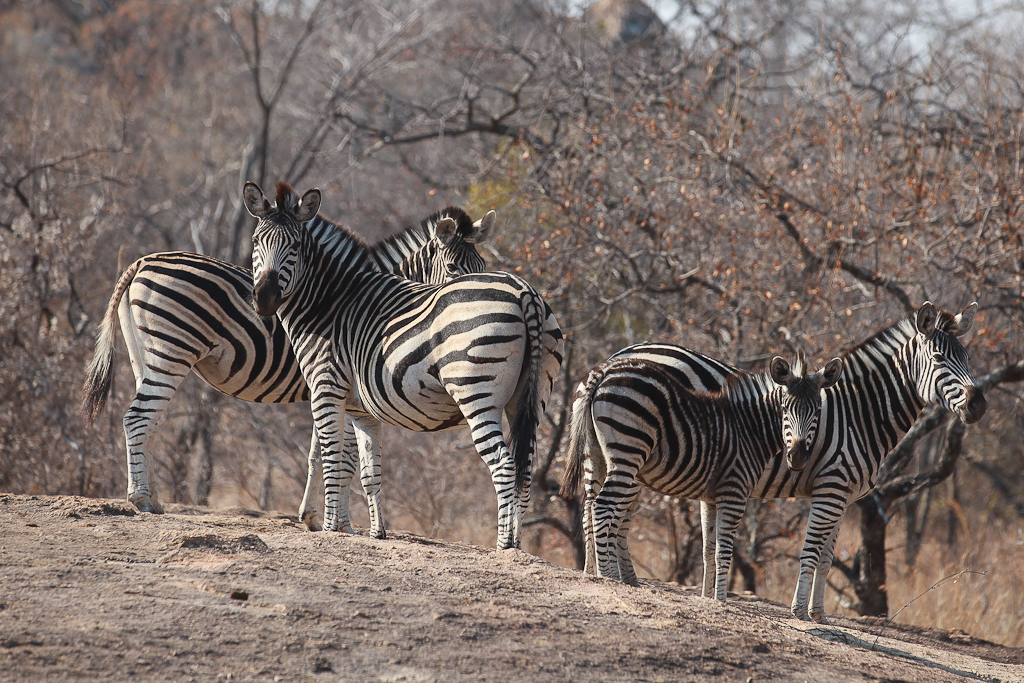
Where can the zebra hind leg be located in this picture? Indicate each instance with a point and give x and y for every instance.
(367, 438)
(485, 427)
(590, 490)
(611, 507)
(626, 571)
(730, 511)
(708, 523)
(140, 420)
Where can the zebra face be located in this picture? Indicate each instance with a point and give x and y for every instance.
(800, 404)
(276, 242)
(943, 376)
(455, 238)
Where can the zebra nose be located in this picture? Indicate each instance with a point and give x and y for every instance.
(975, 406)
(796, 457)
(266, 293)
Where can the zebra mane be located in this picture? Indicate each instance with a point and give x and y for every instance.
(739, 384)
(464, 224)
(336, 238)
(424, 232)
(286, 197)
(895, 335)
(947, 323)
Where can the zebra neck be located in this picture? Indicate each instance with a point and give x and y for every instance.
(879, 386)
(753, 402)
(332, 264)
(389, 254)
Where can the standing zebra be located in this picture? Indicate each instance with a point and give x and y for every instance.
(633, 422)
(181, 311)
(886, 382)
(383, 349)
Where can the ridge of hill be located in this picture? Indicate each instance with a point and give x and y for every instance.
(92, 590)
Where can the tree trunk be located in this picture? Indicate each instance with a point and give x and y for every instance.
(204, 417)
(869, 584)
(743, 567)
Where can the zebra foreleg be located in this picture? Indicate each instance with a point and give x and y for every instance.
(367, 438)
(824, 519)
(340, 514)
(338, 469)
(708, 524)
(314, 465)
(817, 607)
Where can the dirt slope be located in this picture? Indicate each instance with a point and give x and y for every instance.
(89, 591)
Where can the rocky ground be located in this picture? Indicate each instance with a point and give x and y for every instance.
(90, 590)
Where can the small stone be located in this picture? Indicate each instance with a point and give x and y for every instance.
(237, 594)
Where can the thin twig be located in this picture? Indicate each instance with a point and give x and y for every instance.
(935, 585)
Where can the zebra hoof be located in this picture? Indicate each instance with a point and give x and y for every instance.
(145, 504)
(800, 614)
(819, 617)
(381, 535)
(311, 522)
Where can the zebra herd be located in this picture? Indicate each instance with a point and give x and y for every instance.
(414, 333)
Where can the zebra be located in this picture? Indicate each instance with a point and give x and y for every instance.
(886, 382)
(383, 349)
(183, 312)
(634, 422)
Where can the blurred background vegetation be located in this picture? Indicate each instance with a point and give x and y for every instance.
(740, 177)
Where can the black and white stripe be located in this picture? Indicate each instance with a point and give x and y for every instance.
(181, 312)
(634, 422)
(886, 381)
(383, 349)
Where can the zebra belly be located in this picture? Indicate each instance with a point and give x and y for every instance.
(428, 408)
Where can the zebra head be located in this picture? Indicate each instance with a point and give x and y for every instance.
(942, 373)
(800, 403)
(455, 238)
(276, 241)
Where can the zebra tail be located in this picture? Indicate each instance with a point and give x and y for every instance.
(100, 373)
(523, 433)
(581, 433)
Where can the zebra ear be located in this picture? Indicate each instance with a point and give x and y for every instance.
(255, 202)
(926, 317)
(965, 321)
(481, 229)
(308, 205)
(778, 370)
(445, 230)
(832, 372)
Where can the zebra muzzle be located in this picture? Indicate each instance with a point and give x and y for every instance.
(797, 456)
(974, 407)
(266, 293)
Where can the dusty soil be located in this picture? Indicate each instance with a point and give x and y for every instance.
(90, 590)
